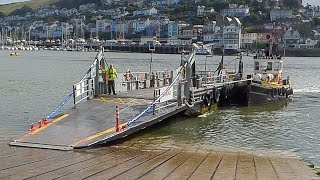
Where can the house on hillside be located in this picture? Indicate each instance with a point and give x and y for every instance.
(236, 11)
(280, 14)
(145, 12)
(292, 36)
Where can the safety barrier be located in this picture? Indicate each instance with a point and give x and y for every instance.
(143, 80)
(168, 88)
(82, 90)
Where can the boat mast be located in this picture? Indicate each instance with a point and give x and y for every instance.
(272, 41)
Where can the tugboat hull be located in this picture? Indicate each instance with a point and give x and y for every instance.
(260, 94)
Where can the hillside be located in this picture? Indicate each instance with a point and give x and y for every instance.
(6, 9)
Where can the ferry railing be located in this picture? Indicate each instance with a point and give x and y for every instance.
(87, 87)
(142, 80)
(83, 90)
(187, 61)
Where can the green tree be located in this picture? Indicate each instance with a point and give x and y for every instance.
(305, 30)
(292, 4)
(2, 15)
(22, 11)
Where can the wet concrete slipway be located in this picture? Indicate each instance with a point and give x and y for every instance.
(264, 142)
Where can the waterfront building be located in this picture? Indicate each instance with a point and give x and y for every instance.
(232, 34)
(174, 28)
(248, 40)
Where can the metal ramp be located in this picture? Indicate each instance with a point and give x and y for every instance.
(93, 122)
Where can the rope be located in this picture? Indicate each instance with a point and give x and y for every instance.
(59, 107)
(158, 99)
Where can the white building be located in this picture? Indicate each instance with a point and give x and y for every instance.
(145, 12)
(232, 34)
(309, 44)
(236, 11)
(200, 10)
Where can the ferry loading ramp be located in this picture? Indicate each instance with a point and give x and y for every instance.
(100, 118)
(94, 122)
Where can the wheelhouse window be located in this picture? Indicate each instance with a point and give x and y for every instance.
(256, 66)
(276, 66)
(269, 66)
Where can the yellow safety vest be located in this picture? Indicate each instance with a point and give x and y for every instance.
(112, 73)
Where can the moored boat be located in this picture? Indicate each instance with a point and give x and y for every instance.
(268, 83)
(14, 54)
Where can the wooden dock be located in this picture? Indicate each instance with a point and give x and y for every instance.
(134, 159)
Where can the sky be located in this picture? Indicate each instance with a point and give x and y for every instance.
(312, 2)
(10, 1)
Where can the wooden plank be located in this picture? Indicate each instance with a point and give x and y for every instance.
(39, 164)
(282, 168)
(50, 167)
(207, 167)
(166, 168)
(264, 169)
(46, 163)
(147, 166)
(301, 169)
(98, 161)
(245, 167)
(108, 173)
(227, 168)
(185, 170)
(28, 158)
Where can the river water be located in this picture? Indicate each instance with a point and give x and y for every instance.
(32, 85)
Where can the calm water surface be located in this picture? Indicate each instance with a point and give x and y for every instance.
(32, 85)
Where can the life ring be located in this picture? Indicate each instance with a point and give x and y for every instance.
(216, 95)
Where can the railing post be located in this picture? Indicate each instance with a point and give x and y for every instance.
(179, 101)
(74, 96)
(117, 119)
(154, 98)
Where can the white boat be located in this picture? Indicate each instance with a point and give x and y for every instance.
(202, 49)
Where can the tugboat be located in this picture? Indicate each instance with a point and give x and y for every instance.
(268, 84)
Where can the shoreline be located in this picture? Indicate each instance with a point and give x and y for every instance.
(166, 49)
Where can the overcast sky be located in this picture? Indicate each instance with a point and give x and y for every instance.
(312, 2)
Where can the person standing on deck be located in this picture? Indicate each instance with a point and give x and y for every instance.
(111, 75)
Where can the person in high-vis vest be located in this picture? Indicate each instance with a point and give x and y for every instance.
(111, 76)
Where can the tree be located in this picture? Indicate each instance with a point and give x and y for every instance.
(292, 4)
(22, 11)
(305, 30)
(2, 15)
